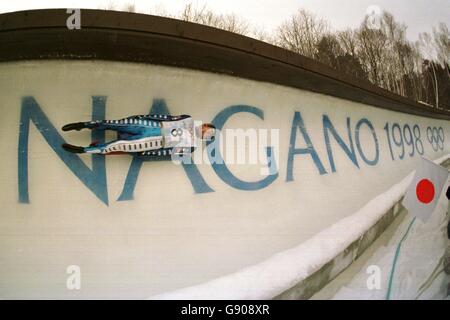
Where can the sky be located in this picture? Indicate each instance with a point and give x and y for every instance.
(418, 15)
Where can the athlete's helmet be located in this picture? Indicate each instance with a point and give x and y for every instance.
(206, 131)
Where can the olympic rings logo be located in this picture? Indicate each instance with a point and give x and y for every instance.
(177, 132)
(435, 137)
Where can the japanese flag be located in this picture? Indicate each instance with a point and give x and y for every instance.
(425, 189)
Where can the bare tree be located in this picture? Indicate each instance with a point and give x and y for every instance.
(348, 41)
(229, 22)
(198, 15)
(129, 7)
(301, 33)
(371, 44)
(427, 44)
(111, 5)
(234, 23)
(329, 51)
(161, 11)
(441, 37)
(262, 35)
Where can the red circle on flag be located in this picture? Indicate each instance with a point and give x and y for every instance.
(425, 191)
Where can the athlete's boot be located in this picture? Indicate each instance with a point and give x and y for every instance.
(80, 125)
(72, 148)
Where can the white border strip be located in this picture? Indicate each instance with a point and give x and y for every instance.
(284, 270)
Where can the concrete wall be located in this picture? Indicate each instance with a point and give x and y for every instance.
(142, 228)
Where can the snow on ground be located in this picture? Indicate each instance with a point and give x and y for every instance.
(419, 271)
(285, 269)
